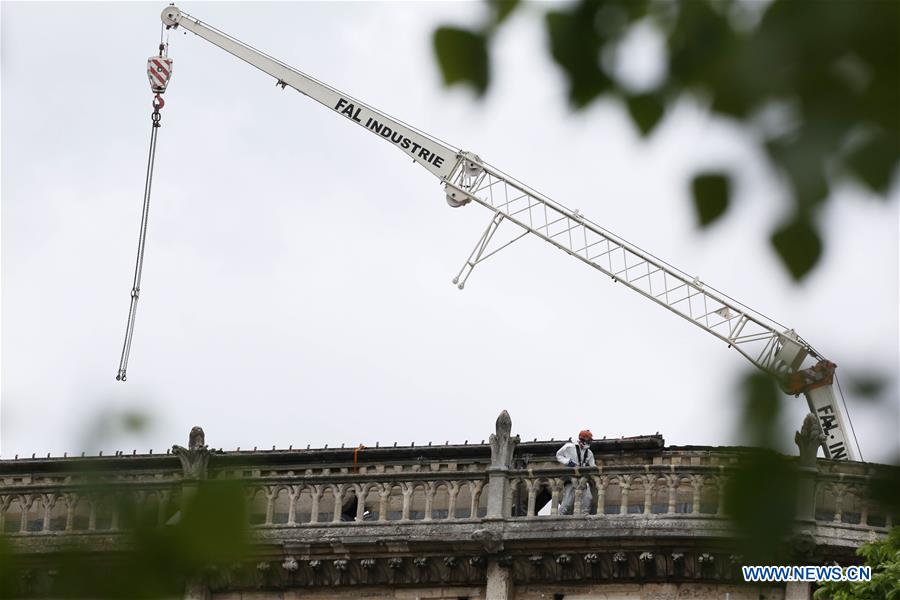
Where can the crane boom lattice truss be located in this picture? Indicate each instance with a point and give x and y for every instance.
(756, 337)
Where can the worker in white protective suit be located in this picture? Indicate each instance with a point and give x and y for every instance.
(574, 455)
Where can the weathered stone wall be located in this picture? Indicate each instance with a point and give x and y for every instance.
(373, 593)
(633, 591)
(652, 591)
(451, 521)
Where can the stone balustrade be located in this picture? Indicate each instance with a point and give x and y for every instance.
(437, 483)
(393, 499)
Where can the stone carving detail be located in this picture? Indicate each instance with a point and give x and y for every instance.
(502, 443)
(525, 568)
(429, 570)
(802, 545)
(707, 564)
(678, 564)
(647, 563)
(620, 564)
(28, 577)
(809, 439)
(195, 457)
(491, 540)
(734, 566)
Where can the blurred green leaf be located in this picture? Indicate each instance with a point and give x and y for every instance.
(134, 421)
(886, 490)
(200, 531)
(884, 558)
(575, 46)
(711, 196)
(698, 43)
(801, 155)
(502, 9)
(875, 161)
(760, 497)
(646, 110)
(761, 494)
(6, 569)
(799, 246)
(868, 386)
(762, 407)
(463, 57)
(151, 561)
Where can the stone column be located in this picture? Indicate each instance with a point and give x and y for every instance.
(194, 460)
(502, 447)
(503, 444)
(809, 439)
(196, 589)
(796, 590)
(499, 581)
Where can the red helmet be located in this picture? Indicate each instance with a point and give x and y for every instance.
(586, 436)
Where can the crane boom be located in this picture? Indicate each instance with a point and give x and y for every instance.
(432, 154)
(466, 178)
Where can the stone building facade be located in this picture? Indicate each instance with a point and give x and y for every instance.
(451, 521)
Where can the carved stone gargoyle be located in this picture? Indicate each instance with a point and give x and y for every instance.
(195, 457)
(491, 541)
(808, 440)
(502, 444)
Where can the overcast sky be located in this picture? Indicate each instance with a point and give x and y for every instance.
(297, 286)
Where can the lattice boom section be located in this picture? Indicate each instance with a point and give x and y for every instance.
(754, 336)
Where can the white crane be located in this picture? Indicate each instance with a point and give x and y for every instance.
(467, 179)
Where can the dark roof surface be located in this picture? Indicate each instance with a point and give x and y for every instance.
(480, 452)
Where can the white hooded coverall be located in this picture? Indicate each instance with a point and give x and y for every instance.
(581, 456)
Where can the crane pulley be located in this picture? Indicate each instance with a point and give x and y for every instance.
(159, 71)
(466, 178)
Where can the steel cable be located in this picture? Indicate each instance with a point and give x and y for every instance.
(142, 240)
(849, 420)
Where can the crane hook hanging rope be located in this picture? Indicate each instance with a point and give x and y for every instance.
(142, 241)
(159, 70)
